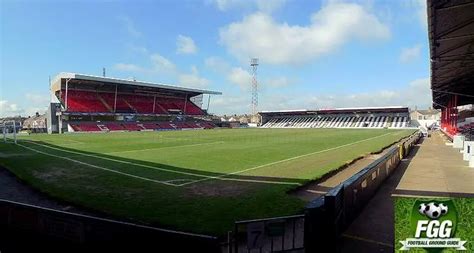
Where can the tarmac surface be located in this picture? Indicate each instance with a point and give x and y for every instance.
(433, 169)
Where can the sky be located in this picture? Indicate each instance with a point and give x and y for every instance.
(312, 54)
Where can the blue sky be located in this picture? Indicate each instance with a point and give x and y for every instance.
(313, 54)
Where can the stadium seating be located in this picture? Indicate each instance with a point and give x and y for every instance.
(138, 126)
(85, 127)
(103, 102)
(83, 101)
(338, 121)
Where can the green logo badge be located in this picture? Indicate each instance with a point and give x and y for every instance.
(433, 225)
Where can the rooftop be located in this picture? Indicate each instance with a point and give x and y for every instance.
(56, 83)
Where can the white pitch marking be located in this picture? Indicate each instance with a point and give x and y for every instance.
(180, 146)
(257, 181)
(162, 169)
(97, 167)
(177, 180)
(285, 160)
(120, 161)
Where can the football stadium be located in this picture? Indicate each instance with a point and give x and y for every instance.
(127, 165)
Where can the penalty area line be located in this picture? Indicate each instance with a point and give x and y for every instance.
(97, 167)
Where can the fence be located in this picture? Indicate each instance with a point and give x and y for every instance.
(44, 228)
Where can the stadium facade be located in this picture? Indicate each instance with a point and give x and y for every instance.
(85, 103)
(356, 117)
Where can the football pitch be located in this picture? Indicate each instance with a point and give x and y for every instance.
(198, 181)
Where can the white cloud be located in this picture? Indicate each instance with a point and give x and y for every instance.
(410, 54)
(159, 65)
(130, 26)
(277, 82)
(240, 77)
(193, 79)
(259, 35)
(9, 109)
(128, 67)
(421, 12)
(185, 45)
(270, 5)
(217, 64)
(34, 103)
(261, 5)
(416, 93)
(37, 99)
(230, 104)
(138, 49)
(162, 64)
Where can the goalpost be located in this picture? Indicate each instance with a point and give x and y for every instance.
(13, 123)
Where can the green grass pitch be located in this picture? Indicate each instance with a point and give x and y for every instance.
(199, 181)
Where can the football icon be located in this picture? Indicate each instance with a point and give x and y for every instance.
(444, 208)
(421, 208)
(433, 210)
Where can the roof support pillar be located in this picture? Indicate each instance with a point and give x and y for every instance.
(65, 96)
(115, 99)
(185, 103)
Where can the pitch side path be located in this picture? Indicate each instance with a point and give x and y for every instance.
(433, 169)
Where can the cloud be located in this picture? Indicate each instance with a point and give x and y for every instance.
(128, 67)
(261, 5)
(230, 104)
(162, 64)
(130, 26)
(159, 65)
(217, 64)
(410, 54)
(416, 93)
(37, 99)
(259, 35)
(185, 45)
(277, 82)
(34, 103)
(9, 109)
(193, 79)
(240, 77)
(421, 12)
(138, 49)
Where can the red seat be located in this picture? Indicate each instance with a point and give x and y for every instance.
(83, 101)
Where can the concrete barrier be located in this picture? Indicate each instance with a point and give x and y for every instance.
(23, 226)
(467, 150)
(458, 141)
(329, 215)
